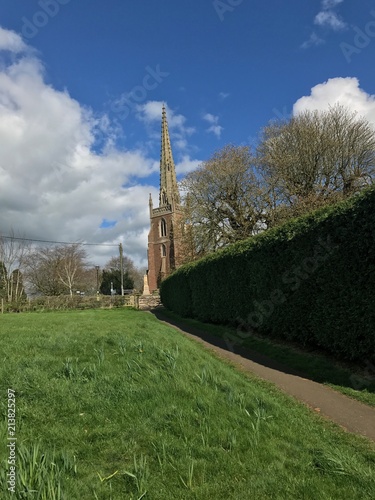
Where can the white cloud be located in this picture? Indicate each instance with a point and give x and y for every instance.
(11, 41)
(54, 185)
(330, 4)
(314, 40)
(329, 19)
(215, 128)
(210, 118)
(186, 165)
(150, 114)
(346, 91)
(326, 18)
(223, 95)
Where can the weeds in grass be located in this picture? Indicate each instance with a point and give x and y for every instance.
(205, 431)
(139, 347)
(110, 497)
(204, 444)
(140, 474)
(72, 371)
(122, 347)
(88, 373)
(102, 479)
(231, 440)
(260, 414)
(189, 480)
(336, 463)
(40, 475)
(99, 355)
(206, 377)
(162, 457)
(170, 357)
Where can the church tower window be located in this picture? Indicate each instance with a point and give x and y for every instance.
(163, 228)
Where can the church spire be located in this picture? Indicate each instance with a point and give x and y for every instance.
(168, 183)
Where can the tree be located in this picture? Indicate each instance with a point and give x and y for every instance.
(90, 280)
(57, 270)
(72, 263)
(314, 159)
(224, 203)
(16, 290)
(112, 274)
(3, 280)
(13, 254)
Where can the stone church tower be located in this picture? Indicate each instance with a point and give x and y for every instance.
(163, 238)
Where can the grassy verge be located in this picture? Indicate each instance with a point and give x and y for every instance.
(115, 405)
(357, 382)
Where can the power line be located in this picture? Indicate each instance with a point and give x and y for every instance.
(59, 242)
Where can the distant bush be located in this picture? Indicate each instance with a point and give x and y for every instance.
(311, 280)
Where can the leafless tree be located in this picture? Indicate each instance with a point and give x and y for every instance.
(315, 158)
(13, 254)
(72, 263)
(56, 270)
(225, 201)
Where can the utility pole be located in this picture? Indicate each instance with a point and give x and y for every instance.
(121, 268)
(97, 282)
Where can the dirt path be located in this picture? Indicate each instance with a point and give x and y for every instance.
(350, 414)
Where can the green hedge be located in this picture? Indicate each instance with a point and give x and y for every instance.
(311, 280)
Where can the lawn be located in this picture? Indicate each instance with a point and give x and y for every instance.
(357, 382)
(115, 405)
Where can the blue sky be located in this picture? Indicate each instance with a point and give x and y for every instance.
(82, 82)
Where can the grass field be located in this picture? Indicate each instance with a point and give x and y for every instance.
(357, 382)
(115, 405)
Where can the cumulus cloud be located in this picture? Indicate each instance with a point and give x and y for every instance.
(54, 184)
(330, 19)
(186, 165)
(346, 91)
(215, 128)
(150, 112)
(11, 41)
(327, 18)
(314, 40)
(330, 4)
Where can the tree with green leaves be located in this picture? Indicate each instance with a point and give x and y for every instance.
(111, 274)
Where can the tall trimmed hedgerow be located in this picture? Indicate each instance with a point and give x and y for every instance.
(311, 280)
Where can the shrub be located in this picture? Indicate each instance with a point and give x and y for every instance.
(311, 280)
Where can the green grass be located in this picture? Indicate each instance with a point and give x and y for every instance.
(357, 382)
(116, 405)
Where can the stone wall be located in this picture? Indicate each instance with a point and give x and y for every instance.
(147, 302)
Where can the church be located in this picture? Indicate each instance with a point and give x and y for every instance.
(164, 246)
